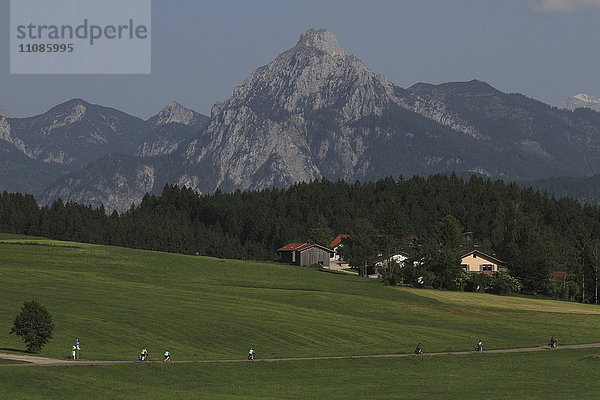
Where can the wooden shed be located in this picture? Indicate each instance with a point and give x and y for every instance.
(305, 254)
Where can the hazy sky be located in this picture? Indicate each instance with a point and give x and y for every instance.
(545, 49)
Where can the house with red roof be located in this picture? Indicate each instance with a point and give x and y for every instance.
(305, 254)
(336, 245)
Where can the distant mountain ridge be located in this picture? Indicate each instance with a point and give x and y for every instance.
(581, 100)
(528, 138)
(76, 132)
(69, 136)
(316, 111)
(115, 181)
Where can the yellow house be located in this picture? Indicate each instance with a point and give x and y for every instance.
(476, 261)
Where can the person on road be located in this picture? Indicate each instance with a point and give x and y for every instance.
(144, 355)
(553, 342)
(479, 346)
(251, 354)
(167, 356)
(419, 349)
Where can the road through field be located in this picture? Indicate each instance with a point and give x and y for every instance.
(27, 360)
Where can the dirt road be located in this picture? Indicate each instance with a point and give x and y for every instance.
(52, 362)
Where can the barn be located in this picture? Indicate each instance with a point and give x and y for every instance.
(305, 254)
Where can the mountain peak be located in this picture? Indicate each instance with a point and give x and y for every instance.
(174, 112)
(321, 39)
(72, 110)
(314, 74)
(4, 112)
(173, 105)
(75, 102)
(76, 107)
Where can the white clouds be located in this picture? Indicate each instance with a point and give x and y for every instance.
(562, 6)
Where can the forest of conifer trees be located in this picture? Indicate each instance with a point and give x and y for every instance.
(532, 233)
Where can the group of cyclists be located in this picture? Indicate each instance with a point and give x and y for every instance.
(145, 355)
(419, 350)
(553, 344)
(252, 354)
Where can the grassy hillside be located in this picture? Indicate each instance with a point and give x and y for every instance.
(118, 300)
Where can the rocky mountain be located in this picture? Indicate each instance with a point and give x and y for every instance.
(313, 111)
(75, 133)
(4, 112)
(526, 139)
(581, 101)
(19, 173)
(173, 125)
(316, 111)
(35, 151)
(115, 181)
(178, 114)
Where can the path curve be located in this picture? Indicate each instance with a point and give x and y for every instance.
(53, 362)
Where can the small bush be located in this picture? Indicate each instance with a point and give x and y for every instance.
(503, 283)
(477, 282)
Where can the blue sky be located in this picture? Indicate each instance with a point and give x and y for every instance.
(545, 49)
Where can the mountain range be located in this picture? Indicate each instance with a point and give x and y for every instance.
(314, 111)
(38, 150)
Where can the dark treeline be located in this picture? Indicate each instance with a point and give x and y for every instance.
(533, 233)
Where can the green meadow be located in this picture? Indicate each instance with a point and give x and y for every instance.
(6, 361)
(556, 374)
(118, 300)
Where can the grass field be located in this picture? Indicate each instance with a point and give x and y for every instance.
(3, 361)
(118, 300)
(557, 374)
